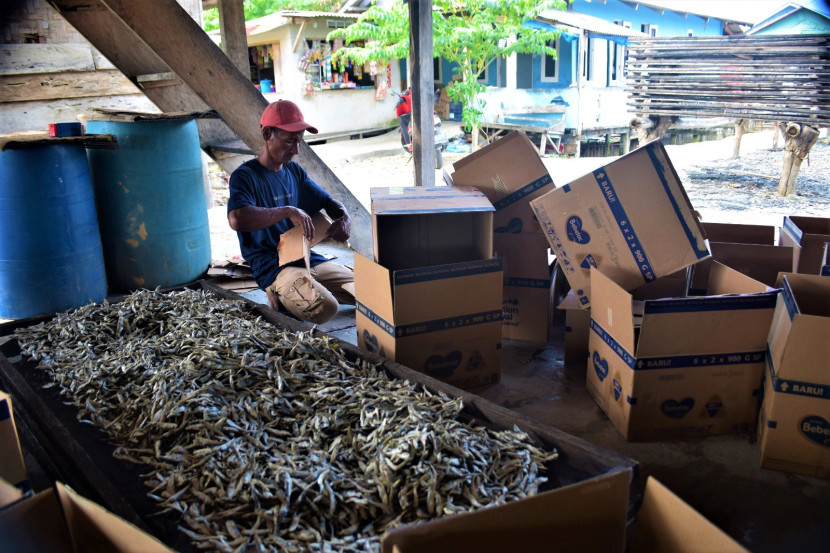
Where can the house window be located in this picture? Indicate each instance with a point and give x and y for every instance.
(616, 57)
(437, 75)
(550, 65)
(690, 32)
(589, 60)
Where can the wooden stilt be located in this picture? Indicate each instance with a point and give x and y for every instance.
(740, 128)
(800, 140)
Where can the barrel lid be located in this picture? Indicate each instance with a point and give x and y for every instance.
(33, 139)
(99, 114)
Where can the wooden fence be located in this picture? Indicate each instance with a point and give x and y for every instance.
(765, 78)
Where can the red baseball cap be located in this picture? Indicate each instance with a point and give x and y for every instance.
(285, 115)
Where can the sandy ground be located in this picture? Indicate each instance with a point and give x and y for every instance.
(721, 189)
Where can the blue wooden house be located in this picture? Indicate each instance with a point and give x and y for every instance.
(587, 76)
(809, 17)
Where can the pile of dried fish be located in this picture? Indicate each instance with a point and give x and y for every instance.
(266, 439)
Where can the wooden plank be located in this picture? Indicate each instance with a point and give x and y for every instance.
(55, 86)
(24, 59)
(38, 115)
(423, 136)
(144, 38)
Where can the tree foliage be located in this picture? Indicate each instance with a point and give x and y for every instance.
(470, 33)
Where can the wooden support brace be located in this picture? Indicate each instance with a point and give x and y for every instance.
(800, 140)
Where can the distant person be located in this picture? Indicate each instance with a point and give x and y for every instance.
(271, 194)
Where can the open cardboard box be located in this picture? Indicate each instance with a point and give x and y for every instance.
(12, 466)
(587, 517)
(808, 236)
(510, 173)
(679, 366)
(749, 249)
(527, 282)
(794, 425)
(444, 321)
(416, 227)
(631, 219)
(577, 330)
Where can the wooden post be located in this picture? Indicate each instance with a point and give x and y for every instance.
(800, 140)
(607, 145)
(648, 129)
(420, 51)
(625, 143)
(234, 38)
(740, 128)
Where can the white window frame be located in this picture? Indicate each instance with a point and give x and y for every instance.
(616, 56)
(589, 70)
(546, 59)
(649, 29)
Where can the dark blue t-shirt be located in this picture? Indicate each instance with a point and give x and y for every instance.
(251, 184)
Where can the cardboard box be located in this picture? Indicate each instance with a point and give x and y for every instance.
(527, 286)
(808, 236)
(631, 219)
(59, 519)
(749, 249)
(12, 467)
(794, 425)
(587, 517)
(511, 174)
(680, 366)
(415, 226)
(444, 321)
(577, 330)
(293, 244)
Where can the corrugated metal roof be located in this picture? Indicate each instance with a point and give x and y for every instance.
(588, 23)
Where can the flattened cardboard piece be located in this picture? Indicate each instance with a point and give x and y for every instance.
(12, 466)
(667, 524)
(8, 493)
(589, 516)
(423, 227)
(454, 337)
(293, 245)
(35, 525)
(630, 219)
(693, 367)
(93, 528)
(527, 281)
(510, 173)
(794, 425)
(749, 249)
(808, 236)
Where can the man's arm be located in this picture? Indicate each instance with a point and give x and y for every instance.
(341, 227)
(250, 218)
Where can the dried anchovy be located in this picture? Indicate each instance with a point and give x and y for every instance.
(265, 439)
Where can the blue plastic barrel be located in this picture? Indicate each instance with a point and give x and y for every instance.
(151, 203)
(51, 257)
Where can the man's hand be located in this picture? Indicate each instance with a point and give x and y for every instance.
(341, 228)
(301, 219)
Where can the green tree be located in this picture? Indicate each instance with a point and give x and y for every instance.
(260, 8)
(469, 33)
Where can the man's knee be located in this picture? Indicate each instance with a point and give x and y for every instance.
(322, 312)
(305, 298)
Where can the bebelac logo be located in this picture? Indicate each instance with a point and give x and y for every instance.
(371, 342)
(600, 365)
(575, 232)
(816, 429)
(677, 409)
(443, 366)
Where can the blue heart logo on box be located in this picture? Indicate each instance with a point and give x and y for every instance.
(588, 262)
(677, 409)
(601, 366)
(370, 341)
(575, 232)
(713, 407)
(617, 389)
(817, 429)
(443, 367)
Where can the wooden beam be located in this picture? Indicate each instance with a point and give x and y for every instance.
(55, 86)
(299, 35)
(421, 70)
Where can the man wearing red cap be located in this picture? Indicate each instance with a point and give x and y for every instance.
(271, 194)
